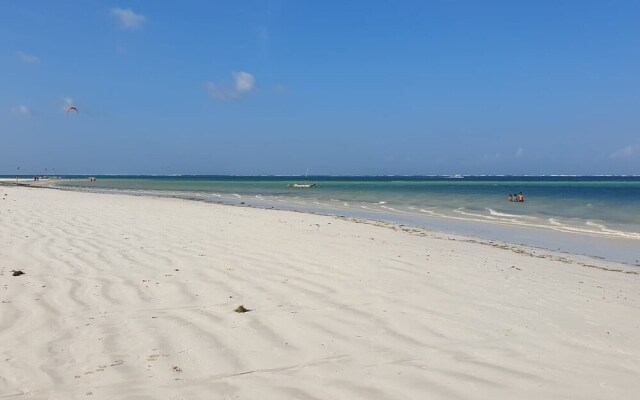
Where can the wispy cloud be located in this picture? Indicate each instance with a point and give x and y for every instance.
(127, 18)
(121, 49)
(244, 83)
(490, 157)
(519, 152)
(281, 89)
(28, 58)
(625, 152)
(20, 110)
(263, 40)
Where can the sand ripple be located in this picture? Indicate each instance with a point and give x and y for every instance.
(133, 297)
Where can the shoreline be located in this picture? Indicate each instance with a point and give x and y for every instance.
(134, 296)
(584, 260)
(614, 249)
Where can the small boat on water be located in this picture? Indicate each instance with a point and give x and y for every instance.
(304, 185)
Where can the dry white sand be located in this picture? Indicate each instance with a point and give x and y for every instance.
(134, 297)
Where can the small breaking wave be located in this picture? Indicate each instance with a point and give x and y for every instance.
(499, 214)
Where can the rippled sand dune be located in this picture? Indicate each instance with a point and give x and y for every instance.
(134, 297)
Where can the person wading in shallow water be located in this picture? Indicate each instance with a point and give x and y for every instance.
(518, 198)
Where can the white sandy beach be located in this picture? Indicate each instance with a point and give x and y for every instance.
(134, 297)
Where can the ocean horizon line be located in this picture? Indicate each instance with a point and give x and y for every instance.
(450, 176)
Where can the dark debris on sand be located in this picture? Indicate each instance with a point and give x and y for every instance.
(241, 309)
(17, 272)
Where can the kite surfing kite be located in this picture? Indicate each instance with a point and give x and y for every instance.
(72, 108)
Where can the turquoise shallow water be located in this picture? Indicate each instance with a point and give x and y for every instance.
(587, 215)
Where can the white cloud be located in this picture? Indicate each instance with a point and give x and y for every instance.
(127, 18)
(244, 83)
(626, 152)
(519, 152)
(28, 58)
(20, 110)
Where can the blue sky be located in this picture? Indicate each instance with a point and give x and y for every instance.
(358, 87)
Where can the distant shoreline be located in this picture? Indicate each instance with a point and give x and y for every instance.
(612, 249)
